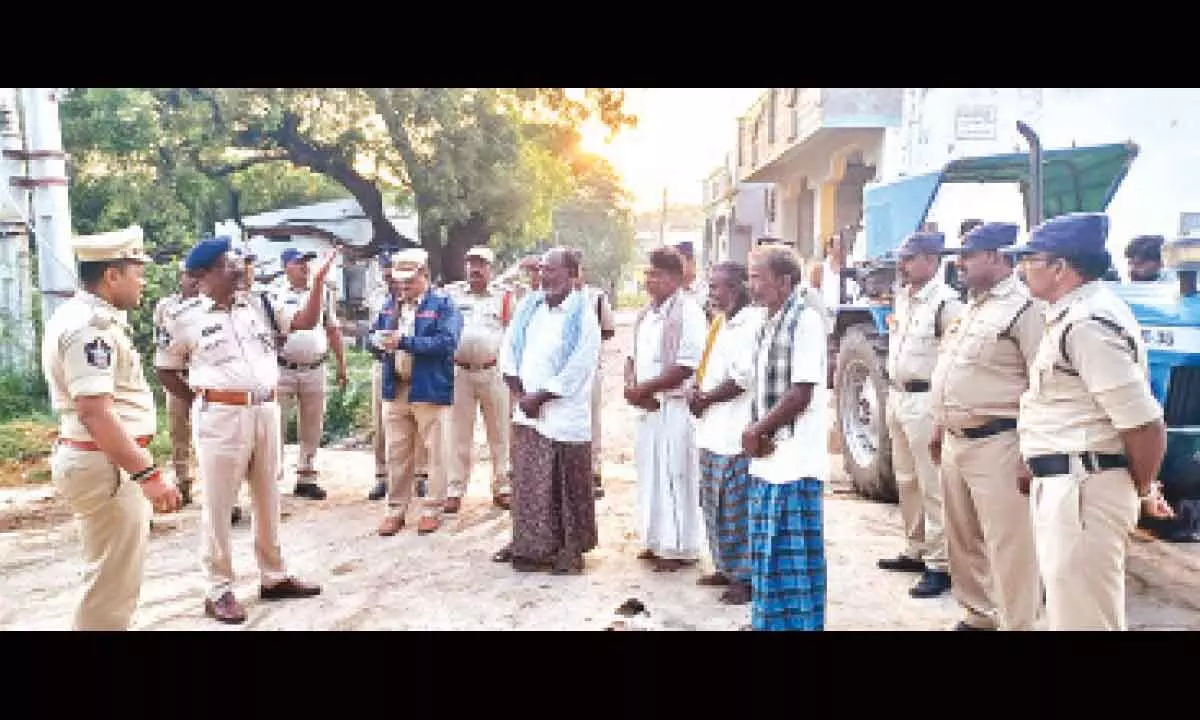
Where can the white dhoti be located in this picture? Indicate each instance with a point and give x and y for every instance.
(669, 519)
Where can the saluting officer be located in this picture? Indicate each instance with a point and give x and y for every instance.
(981, 373)
(478, 385)
(302, 356)
(178, 414)
(1092, 434)
(231, 387)
(100, 465)
(925, 308)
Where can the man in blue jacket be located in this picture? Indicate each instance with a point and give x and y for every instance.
(417, 331)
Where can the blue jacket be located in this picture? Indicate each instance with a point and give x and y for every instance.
(432, 344)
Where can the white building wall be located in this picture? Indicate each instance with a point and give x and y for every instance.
(1162, 121)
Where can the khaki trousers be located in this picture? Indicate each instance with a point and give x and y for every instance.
(989, 533)
(238, 444)
(114, 529)
(179, 424)
(306, 388)
(910, 424)
(409, 426)
(377, 424)
(485, 390)
(1081, 526)
(597, 402)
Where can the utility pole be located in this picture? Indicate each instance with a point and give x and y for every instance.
(662, 222)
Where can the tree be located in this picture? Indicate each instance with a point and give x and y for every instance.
(598, 221)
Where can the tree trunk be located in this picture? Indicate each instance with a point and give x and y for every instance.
(431, 235)
(461, 237)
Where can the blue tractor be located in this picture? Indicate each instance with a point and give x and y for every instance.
(1080, 179)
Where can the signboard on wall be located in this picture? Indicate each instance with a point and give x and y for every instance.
(1189, 224)
(975, 122)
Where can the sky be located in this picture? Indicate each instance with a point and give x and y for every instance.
(682, 135)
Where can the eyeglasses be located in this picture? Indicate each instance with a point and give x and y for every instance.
(1027, 260)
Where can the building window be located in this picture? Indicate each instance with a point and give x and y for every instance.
(793, 96)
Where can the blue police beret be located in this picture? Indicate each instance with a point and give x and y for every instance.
(990, 236)
(291, 255)
(206, 252)
(923, 243)
(1070, 235)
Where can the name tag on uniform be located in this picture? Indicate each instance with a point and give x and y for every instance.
(427, 315)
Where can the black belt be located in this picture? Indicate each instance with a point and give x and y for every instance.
(914, 386)
(1049, 465)
(988, 429)
(301, 366)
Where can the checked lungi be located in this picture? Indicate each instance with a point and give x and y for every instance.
(725, 496)
(787, 549)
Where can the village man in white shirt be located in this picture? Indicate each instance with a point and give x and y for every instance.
(789, 464)
(721, 403)
(549, 361)
(668, 342)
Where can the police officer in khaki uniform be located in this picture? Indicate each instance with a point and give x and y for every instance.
(925, 308)
(597, 299)
(231, 387)
(100, 465)
(302, 356)
(486, 312)
(1092, 434)
(178, 414)
(977, 384)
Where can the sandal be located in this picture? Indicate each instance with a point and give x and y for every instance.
(504, 556)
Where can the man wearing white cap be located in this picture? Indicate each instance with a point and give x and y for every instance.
(418, 331)
(100, 465)
(178, 414)
(477, 381)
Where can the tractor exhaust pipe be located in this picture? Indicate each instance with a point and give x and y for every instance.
(1036, 186)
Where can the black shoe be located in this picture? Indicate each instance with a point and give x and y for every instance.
(964, 625)
(378, 492)
(236, 515)
(902, 564)
(422, 485)
(185, 495)
(931, 584)
(309, 490)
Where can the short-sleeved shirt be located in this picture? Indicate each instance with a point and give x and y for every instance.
(649, 340)
(87, 351)
(304, 346)
(805, 454)
(224, 349)
(983, 367)
(913, 346)
(485, 315)
(1083, 402)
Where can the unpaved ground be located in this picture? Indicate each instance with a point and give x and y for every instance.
(446, 581)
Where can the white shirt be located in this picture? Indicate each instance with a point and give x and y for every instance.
(304, 346)
(719, 429)
(804, 454)
(568, 418)
(648, 363)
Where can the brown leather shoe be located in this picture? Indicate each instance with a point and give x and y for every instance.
(502, 500)
(452, 505)
(288, 589)
(427, 525)
(714, 580)
(391, 525)
(227, 610)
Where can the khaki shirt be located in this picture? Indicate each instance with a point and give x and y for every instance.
(913, 346)
(983, 367)
(485, 316)
(87, 351)
(304, 346)
(1063, 412)
(231, 349)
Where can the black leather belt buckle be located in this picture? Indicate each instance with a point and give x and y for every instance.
(990, 428)
(1050, 465)
(916, 386)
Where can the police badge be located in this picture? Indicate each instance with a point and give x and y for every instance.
(98, 354)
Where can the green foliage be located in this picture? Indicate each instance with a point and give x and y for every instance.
(597, 220)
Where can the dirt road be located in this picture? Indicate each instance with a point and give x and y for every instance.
(446, 581)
